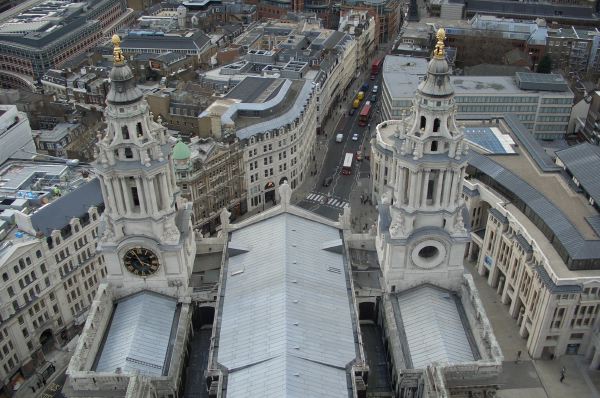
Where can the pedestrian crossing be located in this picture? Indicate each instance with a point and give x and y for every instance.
(319, 198)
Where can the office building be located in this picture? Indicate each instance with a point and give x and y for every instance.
(49, 34)
(541, 101)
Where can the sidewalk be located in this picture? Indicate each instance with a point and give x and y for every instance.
(531, 378)
(34, 386)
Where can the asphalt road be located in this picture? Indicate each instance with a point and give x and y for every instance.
(340, 188)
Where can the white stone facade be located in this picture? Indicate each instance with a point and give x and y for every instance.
(48, 285)
(15, 135)
(556, 314)
(282, 153)
(418, 166)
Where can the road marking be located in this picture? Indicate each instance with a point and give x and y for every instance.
(318, 198)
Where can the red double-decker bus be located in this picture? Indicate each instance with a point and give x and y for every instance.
(365, 114)
(376, 67)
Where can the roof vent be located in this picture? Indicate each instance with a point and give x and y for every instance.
(334, 270)
(297, 374)
(296, 347)
(295, 301)
(296, 324)
(294, 281)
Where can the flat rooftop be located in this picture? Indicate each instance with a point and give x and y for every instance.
(553, 186)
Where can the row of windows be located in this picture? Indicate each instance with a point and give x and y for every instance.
(555, 109)
(551, 127)
(557, 100)
(495, 99)
(553, 119)
(495, 108)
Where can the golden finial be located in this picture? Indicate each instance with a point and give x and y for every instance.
(439, 47)
(117, 53)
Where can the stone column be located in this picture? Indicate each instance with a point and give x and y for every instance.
(149, 190)
(141, 196)
(452, 193)
(400, 186)
(424, 186)
(115, 189)
(438, 188)
(126, 196)
(447, 188)
(412, 193)
(164, 188)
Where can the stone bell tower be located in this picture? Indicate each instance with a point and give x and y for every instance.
(147, 239)
(422, 235)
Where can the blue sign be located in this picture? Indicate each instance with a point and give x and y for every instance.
(488, 261)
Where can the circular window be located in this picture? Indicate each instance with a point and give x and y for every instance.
(428, 252)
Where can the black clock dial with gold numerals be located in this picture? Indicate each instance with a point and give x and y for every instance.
(141, 261)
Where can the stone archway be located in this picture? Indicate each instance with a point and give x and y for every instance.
(270, 192)
(47, 341)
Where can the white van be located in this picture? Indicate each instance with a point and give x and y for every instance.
(339, 137)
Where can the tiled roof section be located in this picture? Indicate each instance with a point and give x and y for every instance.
(501, 217)
(553, 287)
(138, 338)
(287, 326)
(59, 213)
(470, 192)
(433, 327)
(194, 42)
(524, 243)
(583, 162)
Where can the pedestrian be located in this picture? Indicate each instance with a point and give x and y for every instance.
(518, 356)
(32, 388)
(563, 372)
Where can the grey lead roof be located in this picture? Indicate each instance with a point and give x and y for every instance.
(286, 327)
(59, 213)
(433, 327)
(583, 162)
(569, 238)
(139, 334)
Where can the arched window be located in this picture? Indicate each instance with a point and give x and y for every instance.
(5, 277)
(125, 132)
(423, 122)
(139, 130)
(436, 125)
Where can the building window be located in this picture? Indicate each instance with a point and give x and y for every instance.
(125, 132)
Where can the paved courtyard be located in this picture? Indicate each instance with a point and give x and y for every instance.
(532, 378)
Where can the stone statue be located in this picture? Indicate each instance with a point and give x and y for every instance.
(459, 225)
(385, 198)
(225, 214)
(285, 192)
(397, 227)
(109, 229)
(170, 232)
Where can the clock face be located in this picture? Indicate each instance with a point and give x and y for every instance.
(141, 261)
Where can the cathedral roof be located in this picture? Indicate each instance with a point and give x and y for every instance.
(181, 151)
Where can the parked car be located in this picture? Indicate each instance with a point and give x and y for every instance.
(358, 156)
(351, 112)
(373, 98)
(375, 89)
(327, 181)
(364, 87)
(355, 137)
(339, 137)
